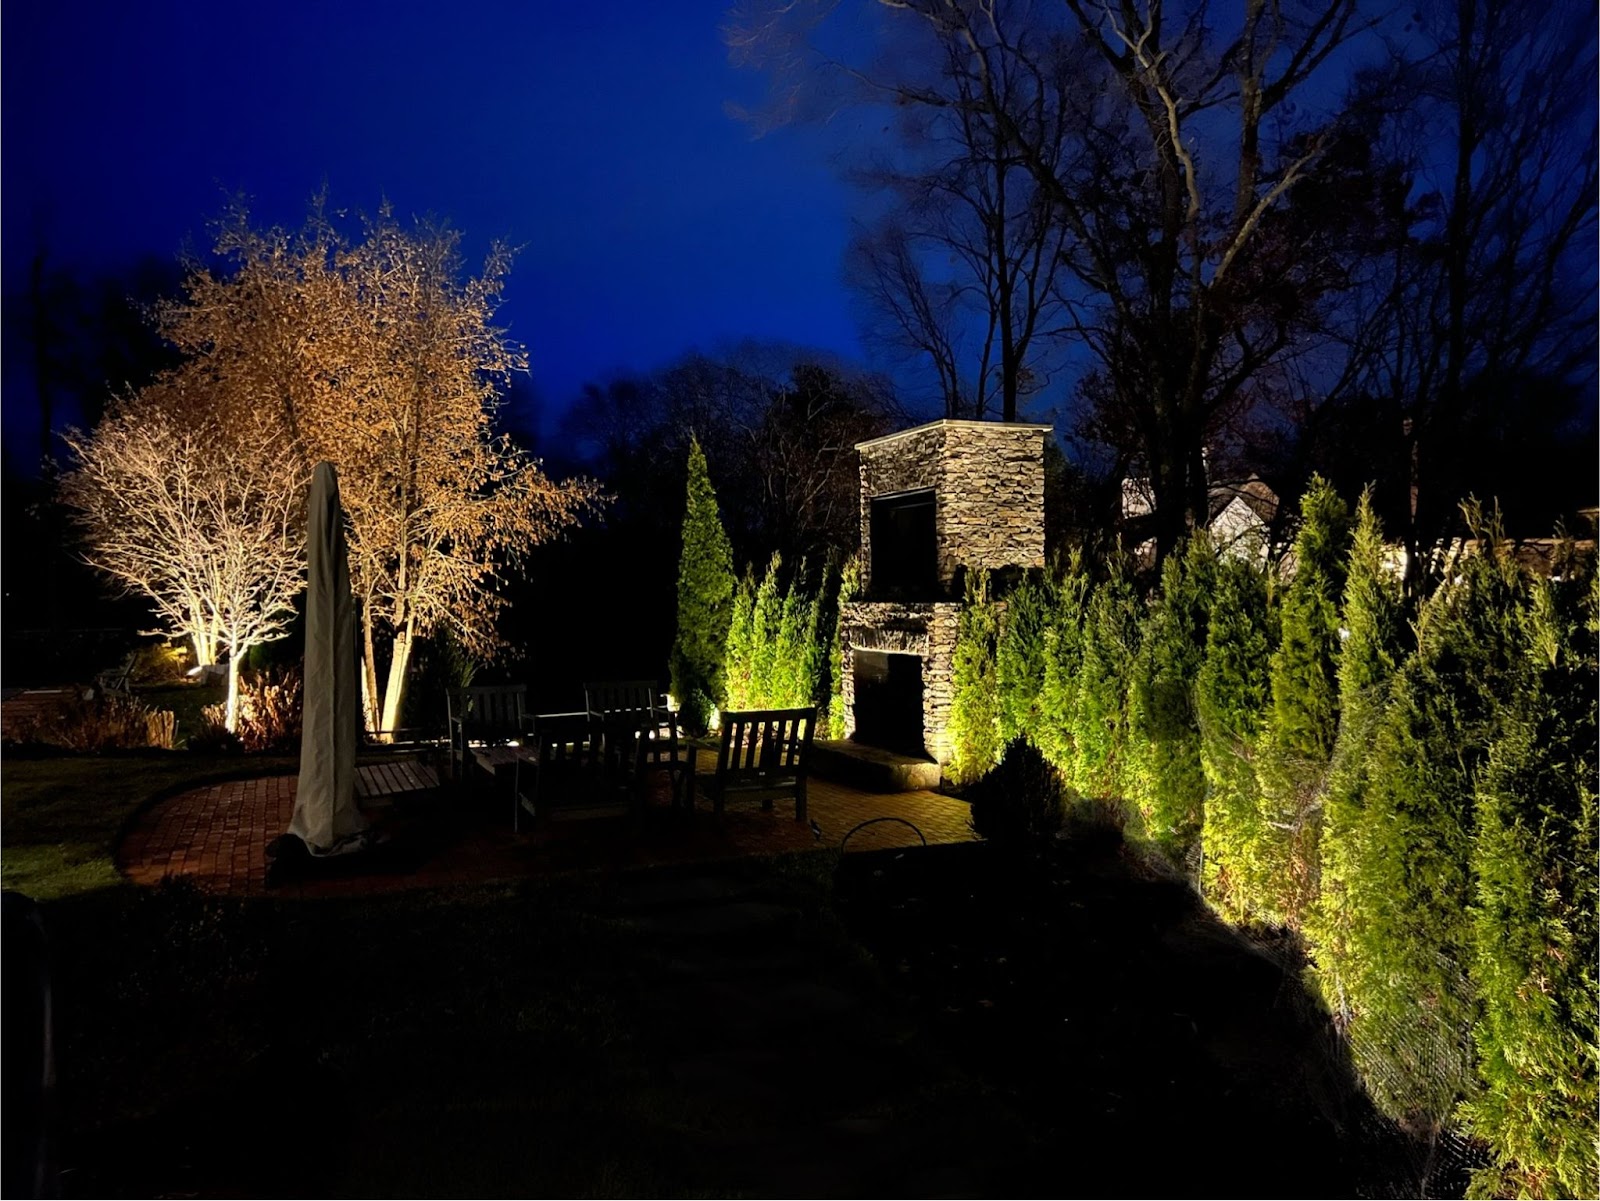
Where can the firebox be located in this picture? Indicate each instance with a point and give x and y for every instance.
(935, 500)
(888, 697)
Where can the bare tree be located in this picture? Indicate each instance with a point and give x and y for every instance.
(962, 271)
(378, 357)
(1490, 291)
(201, 516)
(1171, 140)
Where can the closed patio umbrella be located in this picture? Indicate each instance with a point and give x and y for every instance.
(326, 818)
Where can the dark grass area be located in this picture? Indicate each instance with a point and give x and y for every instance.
(1103, 1000)
(941, 1022)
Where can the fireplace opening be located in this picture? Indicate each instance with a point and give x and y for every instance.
(905, 548)
(888, 708)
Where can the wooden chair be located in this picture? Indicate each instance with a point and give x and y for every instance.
(604, 697)
(632, 709)
(487, 715)
(576, 770)
(763, 755)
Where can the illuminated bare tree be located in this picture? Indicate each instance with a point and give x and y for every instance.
(376, 356)
(200, 516)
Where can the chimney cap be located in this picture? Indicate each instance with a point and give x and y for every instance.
(955, 422)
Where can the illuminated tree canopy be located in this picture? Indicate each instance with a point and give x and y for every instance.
(200, 513)
(379, 357)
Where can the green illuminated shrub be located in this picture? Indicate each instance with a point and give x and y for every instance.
(705, 600)
(1411, 946)
(1099, 715)
(1534, 915)
(975, 701)
(849, 589)
(1018, 803)
(1163, 773)
(1020, 657)
(775, 659)
(1372, 647)
(1303, 719)
(766, 618)
(1063, 657)
(1230, 701)
(741, 644)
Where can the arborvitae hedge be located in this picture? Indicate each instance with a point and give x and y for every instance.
(849, 589)
(1020, 657)
(1163, 775)
(1304, 717)
(1410, 950)
(1535, 915)
(766, 617)
(795, 661)
(975, 702)
(1099, 717)
(705, 599)
(1371, 614)
(1063, 658)
(1230, 701)
(741, 642)
(775, 656)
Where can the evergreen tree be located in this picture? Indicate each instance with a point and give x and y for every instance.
(1020, 658)
(1304, 715)
(1063, 658)
(1371, 613)
(1409, 951)
(1535, 915)
(849, 589)
(1099, 716)
(1164, 775)
(1230, 701)
(705, 600)
(765, 620)
(741, 643)
(791, 668)
(975, 702)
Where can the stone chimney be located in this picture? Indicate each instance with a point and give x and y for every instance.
(934, 500)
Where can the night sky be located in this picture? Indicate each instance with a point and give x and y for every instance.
(595, 137)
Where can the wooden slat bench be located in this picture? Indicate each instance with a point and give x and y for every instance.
(376, 781)
(763, 755)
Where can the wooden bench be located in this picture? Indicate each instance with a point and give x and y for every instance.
(485, 716)
(763, 755)
(380, 782)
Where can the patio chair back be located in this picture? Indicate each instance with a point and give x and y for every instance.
(605, 697)
(491, 713)
(763, 755)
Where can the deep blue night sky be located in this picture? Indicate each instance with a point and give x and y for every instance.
(595, 137)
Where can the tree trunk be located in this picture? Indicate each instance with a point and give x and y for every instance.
(394, 693)
(369, 671)
(205, 647)
(231, 720)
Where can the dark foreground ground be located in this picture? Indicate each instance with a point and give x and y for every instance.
(929, 1023)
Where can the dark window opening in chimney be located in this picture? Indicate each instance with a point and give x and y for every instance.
(905, 550)
(888, 706)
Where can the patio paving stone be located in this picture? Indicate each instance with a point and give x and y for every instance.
(216, 836)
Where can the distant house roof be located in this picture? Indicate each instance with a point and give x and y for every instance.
(1255, 494)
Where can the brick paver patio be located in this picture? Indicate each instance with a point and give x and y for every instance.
(217, 837)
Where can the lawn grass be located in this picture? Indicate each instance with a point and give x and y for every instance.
(61, 815)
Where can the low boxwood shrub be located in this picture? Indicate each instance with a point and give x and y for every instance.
(1019, 802)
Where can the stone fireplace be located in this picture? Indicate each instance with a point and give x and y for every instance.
(936, 499)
